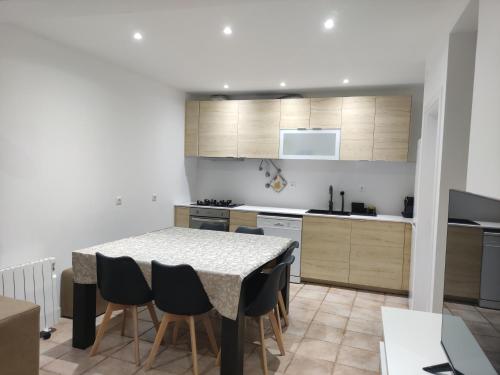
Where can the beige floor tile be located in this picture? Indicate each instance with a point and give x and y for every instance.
(173, 360)
(276, 364)
(324, 332)
(318, 295)
(339, 299)
(372, 313)
(301, 314)
(296, 328)
(484, 329)
(113, 366)
(393, 298)
(344, 291)
(470, 315)
(330, 320)
(396, 305)
(336, 309)
(318, 349)
(303, 365)
(296, 287)
(374, 296)
(316, 287)
(129, 327)
(362, 341)
(347, 370)
(127, 353)
(305, 303)
(45, 372)
(363, 359)
(365, 326)
(74, 362)
(459, 306)
(53, 349)
(489, 343)
(367, 303)
(111, 343)
(291, 343)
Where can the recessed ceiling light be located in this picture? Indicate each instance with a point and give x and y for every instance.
(329, 24)
(227, 30)
(226, 86)
(137, 36)
(345, 81)
(283, 84)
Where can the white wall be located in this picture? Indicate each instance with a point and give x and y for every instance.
(75, 133)
(483, 176)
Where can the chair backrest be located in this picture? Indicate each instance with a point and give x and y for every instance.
(221, 227)
(266, 298)
(249, 230)
(288, 253)
(121, 281)
(287, 262)
(178, 290)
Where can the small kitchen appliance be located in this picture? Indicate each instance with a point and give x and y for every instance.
(408, 207)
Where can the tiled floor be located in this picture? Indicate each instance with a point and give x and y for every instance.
(332, 331)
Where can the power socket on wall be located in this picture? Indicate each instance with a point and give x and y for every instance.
(118, 201)
(154, 198)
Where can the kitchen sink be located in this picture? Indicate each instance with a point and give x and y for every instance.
(327, 212)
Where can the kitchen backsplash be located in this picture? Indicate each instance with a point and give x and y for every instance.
(383, 184)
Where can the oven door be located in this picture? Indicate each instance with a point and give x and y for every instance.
(196, 221)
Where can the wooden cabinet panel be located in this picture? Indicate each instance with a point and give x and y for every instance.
(295, 113)
(258, 129)
(325, 249)
(358, 122)
(464, 251)
(181, 218)
(191, 128)
(407, 257)
(377, 254)
(242, 219)
(392, 128)
(218, 128)
(326, 113)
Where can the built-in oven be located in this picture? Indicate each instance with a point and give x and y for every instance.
(198, 216)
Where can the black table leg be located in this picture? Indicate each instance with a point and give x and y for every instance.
(233, 340)
(84, 303)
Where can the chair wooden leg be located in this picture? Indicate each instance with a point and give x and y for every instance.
(281, 302)
(158, 339)
(277, 333)
(154, 317)
(124, 322)
(210, 333)
(217, 361)
(278, 317)
(263, 356)
(102, 329)
(136, 335)
(192, 332)
(175, 334)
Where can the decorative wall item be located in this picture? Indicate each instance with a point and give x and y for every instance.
(277, 181)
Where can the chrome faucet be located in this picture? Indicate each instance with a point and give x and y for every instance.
(330, 203)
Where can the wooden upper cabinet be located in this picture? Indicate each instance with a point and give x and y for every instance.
(258, 129)
(326, 113)
(325, 249)
(358, 122)
(191, 128)
(377, 254)
(295, 113)
(218, 128)
(392, 128)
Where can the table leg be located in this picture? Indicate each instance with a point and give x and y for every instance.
(233, 340)
(84, 304)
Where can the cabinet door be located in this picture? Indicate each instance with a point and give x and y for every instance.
(258, 129)
(242, 219)
(191, 128)
(407, 258)
(181, 218)
(325, 249)
(326, 113)
(218, 128)
(392, 128)
(358, 122)
(464, 251)
(295, 113)
(377, 254)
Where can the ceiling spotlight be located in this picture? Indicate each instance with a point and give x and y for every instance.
(227, 30)
(226, 86)
(345, 81)
(329, 24)
(137, 36)
(283, 84)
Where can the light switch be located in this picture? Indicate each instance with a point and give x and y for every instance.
(154, 198)
(118, 201)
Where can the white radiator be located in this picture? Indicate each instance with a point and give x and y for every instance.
(34, 282)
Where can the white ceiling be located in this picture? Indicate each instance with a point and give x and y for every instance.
(373, 43)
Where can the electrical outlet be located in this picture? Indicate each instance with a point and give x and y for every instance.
(293, 184)
(154, 198)
(118, 201)
(362, 188)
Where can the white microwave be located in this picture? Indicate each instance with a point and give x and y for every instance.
(318, 144)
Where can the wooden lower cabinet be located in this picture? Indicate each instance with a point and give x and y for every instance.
(377, 254)
(325, 249)
(181, 218)
(464, 251)
(407, 257)
(242, 219)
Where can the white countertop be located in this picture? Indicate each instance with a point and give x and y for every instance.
(482, 224)
(302, 212)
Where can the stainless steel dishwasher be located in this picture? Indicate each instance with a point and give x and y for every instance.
(490, 270)
(287, 226)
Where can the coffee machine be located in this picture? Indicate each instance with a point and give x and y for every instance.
(408, 207)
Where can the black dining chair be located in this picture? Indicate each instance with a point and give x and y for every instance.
(220, 227)
(178, 291)
(288, 259)
(249, 230)
(123, 286)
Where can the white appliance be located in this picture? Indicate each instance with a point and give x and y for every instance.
(289, 226)
(490, 277)
(319, 144)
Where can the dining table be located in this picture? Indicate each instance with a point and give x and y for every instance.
(224, 262)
